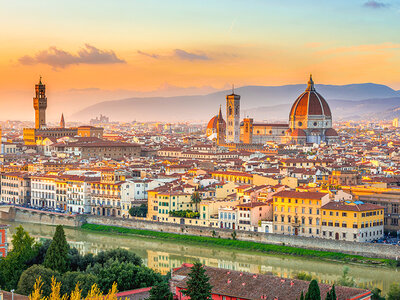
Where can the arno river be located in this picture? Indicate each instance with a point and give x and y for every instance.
(163, 255)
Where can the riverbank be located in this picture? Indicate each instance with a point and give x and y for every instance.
(243, 245)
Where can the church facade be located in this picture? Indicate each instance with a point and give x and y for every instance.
(310, 121)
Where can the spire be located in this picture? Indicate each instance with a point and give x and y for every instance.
(220, 113)
(40, 79)
(233, 89)
(310, 86)
(62, 122)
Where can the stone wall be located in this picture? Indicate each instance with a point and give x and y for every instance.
(24, 215)
(364, 249)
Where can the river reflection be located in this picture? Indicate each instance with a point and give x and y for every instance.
(163, 255)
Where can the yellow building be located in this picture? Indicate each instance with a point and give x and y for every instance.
(352, 221)
(162, 202)
(239, 177)
(298, 213)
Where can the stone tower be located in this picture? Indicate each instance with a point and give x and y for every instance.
(221, 128)
(40, 105)
(232, 118)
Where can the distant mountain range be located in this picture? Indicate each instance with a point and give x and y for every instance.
(263, 103)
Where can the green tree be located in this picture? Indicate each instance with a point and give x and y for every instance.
(71, 279)
(198, 285)
(161, 291)
(331, 294)
(394, 292)
(127, 275)
(18, 258)
(29, 276)
(301, 296)
(57, 255)
(376, 294)
(313, 292)
(138, 211)
(122, 255)
(196, 199)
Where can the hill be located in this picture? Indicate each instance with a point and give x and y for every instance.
(259, 102)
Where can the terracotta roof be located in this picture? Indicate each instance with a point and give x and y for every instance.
(260, 286)
(301, 195)
(333, 205)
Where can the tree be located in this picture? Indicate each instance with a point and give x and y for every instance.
(331, 294)
(313, 292)
(161, 291)
(376, 294)
(71, 279)
(127, 275)
(76, 294)
(138, 211)
(196, 199)
(30, 276)
(394, 291)
(301, 296)
(18, 258)
(57, 255)
(198, 285)
(122, 255)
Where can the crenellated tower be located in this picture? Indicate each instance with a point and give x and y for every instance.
(40, 105)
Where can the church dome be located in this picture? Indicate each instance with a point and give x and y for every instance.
(310, 103)
(212, 124)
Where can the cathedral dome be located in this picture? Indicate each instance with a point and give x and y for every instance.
(310, 103)
(212, 124)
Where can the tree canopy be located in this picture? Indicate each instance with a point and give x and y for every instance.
(198, 285)
(57, 255)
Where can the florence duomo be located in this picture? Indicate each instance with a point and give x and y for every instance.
(310, 122)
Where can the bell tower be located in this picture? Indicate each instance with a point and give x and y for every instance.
(233, 118)
(40, 105)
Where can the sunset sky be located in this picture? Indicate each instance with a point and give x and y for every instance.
(112, 49)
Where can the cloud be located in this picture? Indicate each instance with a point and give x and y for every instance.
(152, 55)
(374, 4)
(178, 54)
(184, 55)
(59, 58)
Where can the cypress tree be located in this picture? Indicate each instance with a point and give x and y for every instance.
(313, 292)
(198, 285)
(302, 296)
(57, 255)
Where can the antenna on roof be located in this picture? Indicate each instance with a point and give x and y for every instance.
(233, 88)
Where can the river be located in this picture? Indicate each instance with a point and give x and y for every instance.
(163, 255)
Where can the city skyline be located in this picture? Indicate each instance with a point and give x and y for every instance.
(105, 51)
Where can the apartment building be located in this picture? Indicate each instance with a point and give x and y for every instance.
(352, 221)
(44, 191)
(15, 188)
(298, 213)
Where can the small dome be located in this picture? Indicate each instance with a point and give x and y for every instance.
(310, 103)
(298, 132)
(331, 132)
